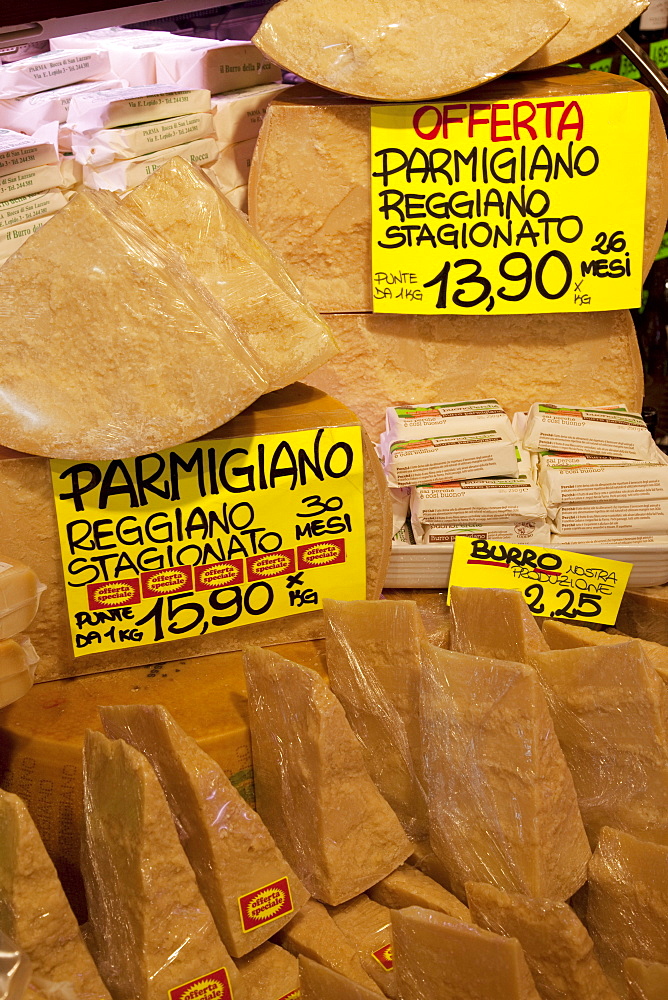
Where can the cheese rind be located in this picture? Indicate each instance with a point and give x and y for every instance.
(411, 887)
(647, 980)
(269, 973)
(312, 787)
(495, 624)
(368, 927)
(230, 849)
(557, 947)
(320, 983)
(502, 806)
(561, 635)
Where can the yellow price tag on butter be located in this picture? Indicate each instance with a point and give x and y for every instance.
(555, 583)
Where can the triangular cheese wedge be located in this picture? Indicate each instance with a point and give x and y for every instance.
(269, 972)
(647, 980)
(494, 623)
(561, 635)
(502, 806)
(245, 881)
(320, 983)
(393, 51)
(243, 275)
(589, 26)
(152, 929)
(313, 790)
(368, 927)
(34, 911)
(411, 887)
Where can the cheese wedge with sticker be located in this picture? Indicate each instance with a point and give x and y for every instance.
(320, 983)
(494, 623)
(411, 887)
(368, 927)
(269, 973)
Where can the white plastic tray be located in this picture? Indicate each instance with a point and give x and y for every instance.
(428, 566)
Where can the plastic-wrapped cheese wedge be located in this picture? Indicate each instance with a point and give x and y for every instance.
(647, 980)
(556, 945)
(246, 278)
(320, 983)
(34, 911)
(494, 623)
(20, 591)
(15, 970)
(140, 380)
(627, 907)
(17, 668)
(152, 930)
(561, 635)
(393, 51)
(502, 806)
(269, 973)
(610, 711)
(312, 788)
(644, 614)
(249, 888)
(438, 958)
(367, 926)
(589, 26)
(411, 887)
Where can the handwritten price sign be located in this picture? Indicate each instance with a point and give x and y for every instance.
(556, 584)
(518, 206)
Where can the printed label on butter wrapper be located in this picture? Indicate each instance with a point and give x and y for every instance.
(612, 483)
(588, 431)
(537, 531)
(641, 516)
(444, 459)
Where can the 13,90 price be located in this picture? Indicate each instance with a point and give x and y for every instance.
(463, 284)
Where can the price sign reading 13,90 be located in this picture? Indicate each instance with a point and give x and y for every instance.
(519, 206)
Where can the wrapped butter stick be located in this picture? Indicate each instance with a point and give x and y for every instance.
(106, 145)
(613, 433)
(13, 237)
(536, 531)
(213, 64)
(18, 152)
(26, 114)
(52, 69)
(445, 459)
(31, 181)
(474, 501)
(427, 420)
(239, 115)
(582, 541)
(641, 516)
(611, 483)
(32, 206)
(122, 175)
(135, 105)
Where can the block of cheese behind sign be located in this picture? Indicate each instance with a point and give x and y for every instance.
(248, 886)
(313, 789)
(140, 378)
(502, 806)
(246, 278)
(309, 188)
(152, 931)
(394, 51)
(563, 635)
(494, 623)
(30, 534)
(644, 614)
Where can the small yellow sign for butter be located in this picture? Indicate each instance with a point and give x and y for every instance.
(509, 206)
(555, 583)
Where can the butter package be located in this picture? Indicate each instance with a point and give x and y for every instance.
(131, 51)
(536, 530)
(238, 197)
(232, 168)
(582, 541)
(612, 483)
(51, 69)
(106, 145)
(122, 175)
(477, 501)
(239, 115)
(13, 237)
(210, 64)
(25, 182)
(71, 171)
(612, 433)
(639, 517)
(135, 105)
(427, 420)
(446, 459)
(400, 505)
(20, 152)
(32, 206)
(20, 591)
(26, 114)
(18, 661)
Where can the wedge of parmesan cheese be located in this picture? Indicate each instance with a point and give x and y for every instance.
(320, 983)
(647, 980)
(368, 927)
(494, 623)
(411, 887)
(561, 635)
(269, 973)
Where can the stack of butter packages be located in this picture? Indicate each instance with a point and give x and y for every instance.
(20, 591)
(601, 476)
(459, 468)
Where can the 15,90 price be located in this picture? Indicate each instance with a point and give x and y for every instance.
(180, 616)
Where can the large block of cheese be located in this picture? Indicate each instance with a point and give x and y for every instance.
(314, 934)
(140, 380)
(29, 534)
(589, 26)
(561, 635)
(269, 973)
(245, 881)
(610, 711)
(242, 274)
(627, 910)
(494, 623)
(320, 983)
(310, 200)
(647, 980)
(438, 958)
(312, 787)
(151, 927)
(366, 641)
(368, 927)
(502, 805)
(644, 614)
(411, 887)
(389, 52)
(556, 945)
(34, 911)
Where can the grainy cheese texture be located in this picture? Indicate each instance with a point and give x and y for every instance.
(627, 909)
(561, 635)
(140, 378)
(309, 193)
(411, 887)
(314, 934)
(438, 958)
(556, 945)
(366, 641)
(644, 614)
(610, 711)
(245, 277)
(269, 973)
(393, 51)
(368, 927)
(34, 911)
(312, 788)
(320, 983)
(494, 623)
(151, 927)
(230, 849)
(30, 534)
(647, 980)
(502, 806)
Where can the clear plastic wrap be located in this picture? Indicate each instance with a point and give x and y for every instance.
(494, 623)
(15, 969)
(610, 711)
(20, 591)
(18, 661)
(35, 913)
(141, 379)
(153, 933)
(368, 927)
(241, 273)
(502, 806)
(269, 971)
(394, 51)
(646, 980)
(627, 907)
(434, 612)
(373, 664)
(248, 886)
(320, 983)
(312, 788)
(562, 635)
(556, 945)
(411, 887)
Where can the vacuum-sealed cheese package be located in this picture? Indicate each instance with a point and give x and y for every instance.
(135, 105)
(51, 69)
(123, 175)
(20, 591)
(106, 145)
(611, 433)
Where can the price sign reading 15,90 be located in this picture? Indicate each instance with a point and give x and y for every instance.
(521, 206)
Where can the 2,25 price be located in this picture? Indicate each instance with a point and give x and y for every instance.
(571, 605)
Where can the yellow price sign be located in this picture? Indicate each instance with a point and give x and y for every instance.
(555, 583)
(210, 535)
(509, 206)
